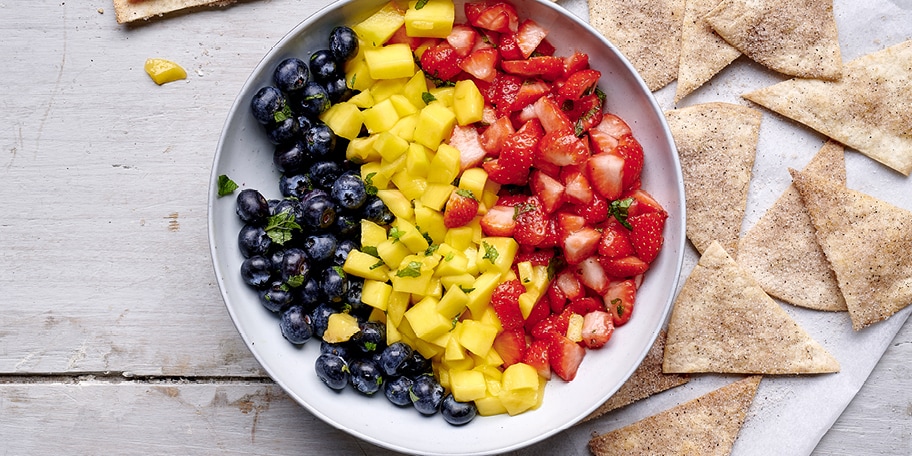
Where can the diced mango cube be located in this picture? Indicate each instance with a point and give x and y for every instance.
(453, 302)
(460, 238)
(344, 119)
(366, 266)
(490, 406)
(380, 117)
(397, 203)
(482, 290)
(392, 61)
(380, 26)
(376, 294)
(444, 165)
(389, 146)
(476, 337)
(433, 20)
(405, 127)
(430, 222)
(361, 150)
(468, 103)
(436, 195)
(467, 385)
(371, 233)
(386, 88)
(435, 123)
(445, 95)
(395, 309)
(426, 321)
(340, 327)
(392, 252)
(496, 254)
(415, 88)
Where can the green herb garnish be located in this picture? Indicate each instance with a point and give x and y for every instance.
(280, 226)
(412, 270)
(226, 186)
(618, 209)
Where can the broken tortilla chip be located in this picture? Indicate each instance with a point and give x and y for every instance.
(648, 33)
(867, 110)
(868, 243)
(647, 379)
(707, 425)
(794, 37)
(781, 251)
(132, 10)
(717, 144)
(703, 52)
(723, 322)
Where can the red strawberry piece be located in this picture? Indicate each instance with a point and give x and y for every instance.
(554, 324)
(440, 61)
(481, 64)
(505, 301)
(623, 267)
(540, 311)
(583, 306)
(462, 38)
(578, 84)
(646, 234)
(598, 326)
(545, 48)
(578, 189)
(642, 203)
(511, 200)
(556, 298)
(553, 238)
(509, 47)
(528, 36)
(619, 299)
(461, 208)
(565, 357)
(615, 242)
(592, 275)
(531, 224)
(529, 91)
(606, 175)
(510, 344)
(594, 213)
(586, 113)
(578, 61)
(474, 9)
(548, 190)
(537, 257)
(504, 175)
(401, 36)
(537, 357)
(563, 148)
(517, 154)
(581, 244)
(496, 134)
(546, 67)
(467, 140)
(497, 16)
(632, 151)
(498, 221)
(503, 92)
(568, 223)
(613, 126)
(550, 115)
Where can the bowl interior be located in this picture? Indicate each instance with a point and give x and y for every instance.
(245, 156)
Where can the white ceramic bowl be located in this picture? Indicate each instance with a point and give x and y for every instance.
(245, 156)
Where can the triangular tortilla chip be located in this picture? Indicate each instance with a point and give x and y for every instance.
(723, 322)
(647, 379)
(128, 11)
(867, 110)
(717, 144)
(781, 249)
(647, 32)
(793, 37)
(703, 52)
(705, 426)
(868, 243)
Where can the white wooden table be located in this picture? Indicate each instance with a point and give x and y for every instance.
(113, 335)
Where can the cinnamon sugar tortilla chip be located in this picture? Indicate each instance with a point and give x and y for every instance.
(868, 243)
(129, 11)
(793, 37)
(703, 52)
(723, 322)
(648, 33)
(705, 426)
(781, 252)
(647, 379)
(717, 144)
(867, 110)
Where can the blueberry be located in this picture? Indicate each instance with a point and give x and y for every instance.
(320, 247)
(427, 394)
(325, 172)
(312, 100)
(348, 191)
(267, 103)
(290, 75)
(256, 271)
(337, 89)
(375, 210)
(340, 350)
(252, 207)
(323, 65)
(334, 284)
(415, 365)
(348, 225)
(371, 338)
(318, 212)
(291, 157)
(397, 390)
(283, 130)
(310, 293)
(365, 376)
(393, 357)
(295, 186)
(332, 370)
(319, 317)
(342, 250)
(253, 240)
(319, 140)
(292, 207)
(276, 296)
(295, 325)
(343, 42)
(457, 413)
(295, 269)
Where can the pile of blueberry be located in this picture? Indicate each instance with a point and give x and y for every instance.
(294, 247)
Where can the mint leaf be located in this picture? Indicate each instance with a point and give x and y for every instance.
(395, 234)
(412, 270)
(369, 186)
(428, 97)
(226, 186)
(420, 4)
(618, 209)
(280, 226)
(491, 253)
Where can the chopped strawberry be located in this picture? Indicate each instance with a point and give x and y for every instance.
(496, 134)
(552, 239)
(554, 325)
(598, 326)
(503, 92)
(505, 302)
(460, 209)
(646, 234)
(592, 275)
(516, 155)
(528, 36)
(481, 64)
(548, 190)
(642, 203)
(584, 305)
(545, 48)
(578, 84)
(510, 344)
(568, 223)
(537, 357)
(531, 223)
(556, 298)
(565, 357)
(497, 16)
(467, 140)
(578, 61)
(550, 115)
(615, 241)
(548, 68)
(537, 257)
(530, 91)
(511, 200)
(606, 175)
(440, 61)
(594, 213)
(401, 36)
(586, 113)
(623, 267)
(498, 221)
(499, 172)
(578, 189)
(619, 299)
(632, 151)
(613, 126)
(581, 244)
(462, 38)
(508, 46)
(562, 148)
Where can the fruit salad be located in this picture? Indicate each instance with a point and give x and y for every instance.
(461, 217)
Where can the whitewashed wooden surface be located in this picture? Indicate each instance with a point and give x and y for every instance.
(113, 336)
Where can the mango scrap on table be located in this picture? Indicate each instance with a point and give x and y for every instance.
(163, 71)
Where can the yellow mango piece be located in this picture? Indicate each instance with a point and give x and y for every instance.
(366, 266)
(392, 333)
(468, 103)
(380, 26)
(386, 88)
(427, 349)
(467, 385)
(340, 327)
(435, 123)
(392, 61)
(395, 309)
(417, 159)
(519, 400)
(454, 351)
(445, 165)
(453, 263)
(389, 146)
(362, 99)
(371, 233)
(405, 127)
(409, 235)
(357, 75)
(433, 20)
(482, 289)
(380, 117)
(474, 180)
(460, 238)
(445, 95)
(361, 150)
(436, 195)
(403, 106)
(430, 222)
(344, 119)
(392, 252)
(490, 406)
(410, 186)
(464, 280)
(496, 254)
(163, 71)
(426, 321)
(415, 88)
(410, 284)
(527, 301)
(453, 303)
(575, 327)
(520, 376)
(476, 337)
(389, 168)
(376, 294)
(397, 203)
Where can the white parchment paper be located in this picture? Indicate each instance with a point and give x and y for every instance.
(790, 413)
